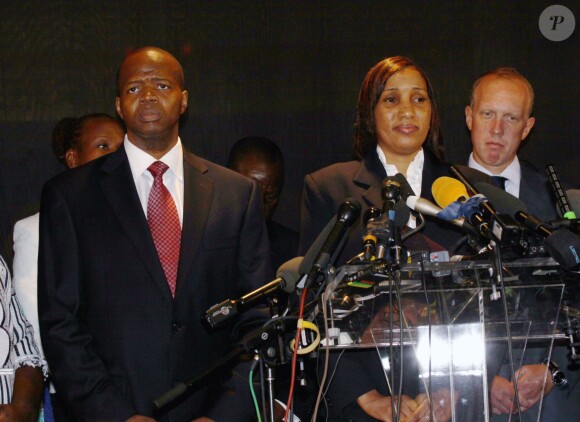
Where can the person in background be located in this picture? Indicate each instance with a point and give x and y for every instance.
(75, 141)
(23, 369)
(261, 159)
(134, 248)
(396, 131)
(500, 118)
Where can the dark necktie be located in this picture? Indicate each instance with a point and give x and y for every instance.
(164, 224)
(498, 181)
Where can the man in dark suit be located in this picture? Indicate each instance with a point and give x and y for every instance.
(120, 316)
(261, 159)
(500, 118)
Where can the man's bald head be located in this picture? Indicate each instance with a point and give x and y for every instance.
(154, 54)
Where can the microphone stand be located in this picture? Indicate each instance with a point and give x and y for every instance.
(255, 340)
(498, 276)
(267, 342)
(270, 357)
(571, 329)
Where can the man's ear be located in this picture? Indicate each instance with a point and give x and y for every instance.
(468, 116)
(118, 107)
(184, 98)
(529, 125)
(71, 158)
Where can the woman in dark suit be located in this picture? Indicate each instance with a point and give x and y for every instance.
(396, 131)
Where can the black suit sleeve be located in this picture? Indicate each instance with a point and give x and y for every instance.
(80, 376)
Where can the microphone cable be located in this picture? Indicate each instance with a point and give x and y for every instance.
(252, 391)
(295, 353)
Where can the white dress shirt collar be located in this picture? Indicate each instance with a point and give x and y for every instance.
(173, 178)
(139, 160)
(414, 174)
(512, 173)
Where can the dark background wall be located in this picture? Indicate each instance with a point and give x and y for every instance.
(288, 70)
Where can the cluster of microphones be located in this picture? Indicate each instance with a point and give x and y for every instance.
(488, 216)
(485, 213)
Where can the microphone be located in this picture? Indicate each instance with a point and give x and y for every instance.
(369, 239)
(574, 198)
(562, 199)
(316, 246)
(386, 228)
(504, 202)
(451, 194)
(390, 192)
(562, 244)
(573, 224)
(424, 206)
(446, 190)
(405, 189)
(472, 175)
(533, 224)
(348, 213)
(286, 278)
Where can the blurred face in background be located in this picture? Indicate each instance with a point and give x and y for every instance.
(99, 136)
(269, 176)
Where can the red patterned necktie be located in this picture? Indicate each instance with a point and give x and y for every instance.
(164, 224)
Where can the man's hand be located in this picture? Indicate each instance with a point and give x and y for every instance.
(379, 407)
(442, 406)
(502, 396)
(534, 381)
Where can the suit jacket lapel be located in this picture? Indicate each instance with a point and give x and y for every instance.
(369, 177)
(119, 188)
(198, 191)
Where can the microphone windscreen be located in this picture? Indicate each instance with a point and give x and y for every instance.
(402, 214)
(447, 190)
(406, 189)
(502, 201)
(472, 175)
(574, 198)
(290, 273)
(564, 247)
(316, 246)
